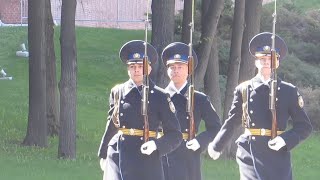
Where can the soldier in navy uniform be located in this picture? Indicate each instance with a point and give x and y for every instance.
(184, 162)
(123, 153)
(259, 157)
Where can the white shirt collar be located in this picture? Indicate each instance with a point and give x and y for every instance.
(135, 85)
(262, 79)
(178, 90)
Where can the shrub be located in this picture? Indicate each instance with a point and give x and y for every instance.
(312, 105)
(297, 72)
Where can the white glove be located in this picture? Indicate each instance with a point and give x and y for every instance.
(193, 144)
(148, 147)
(103, 164)
(276, 143)
(212, 153)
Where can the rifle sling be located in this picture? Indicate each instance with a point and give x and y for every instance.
(244, 93)
(115, 114)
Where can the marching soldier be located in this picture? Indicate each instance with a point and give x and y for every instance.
(123, 153)
(258, 155)
(184, 162)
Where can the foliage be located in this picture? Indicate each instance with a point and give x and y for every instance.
(312, 105)
(226, 20)
(297, 72)
(307, 52)
(304, 5)
(223, 84)
(224, 53)
(300, 30)
(197, 25)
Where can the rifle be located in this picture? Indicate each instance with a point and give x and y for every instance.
(190, 103)
(273, 86)
(145, 89)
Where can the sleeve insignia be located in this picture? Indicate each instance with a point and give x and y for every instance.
(300, 101)
(171, 105)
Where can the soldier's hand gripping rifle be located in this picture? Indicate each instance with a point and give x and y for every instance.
(190, 103)
(145, 89)
(273, 86)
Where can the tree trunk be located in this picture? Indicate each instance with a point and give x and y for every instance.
(204, 10)
(162, 35)
(37, 122)
(207, 35)
(52, 89)
(252, 20)
(211, 79)
(187, 18)
(68, 82)
(235, 55)
(247, 68)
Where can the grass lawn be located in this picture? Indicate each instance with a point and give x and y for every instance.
(99, 69)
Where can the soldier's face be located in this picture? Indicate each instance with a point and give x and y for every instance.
(178, 72)
(135, 72)
(264, 63)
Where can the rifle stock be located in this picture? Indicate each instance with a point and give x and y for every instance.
(144, 104)
(190, 103)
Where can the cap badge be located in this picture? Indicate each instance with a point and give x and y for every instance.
(136, 55)
(266, 48)
(177, 56)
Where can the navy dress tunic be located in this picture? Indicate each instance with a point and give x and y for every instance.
(255, 159)
(124, 159)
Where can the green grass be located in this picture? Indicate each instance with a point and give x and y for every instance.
(99, 69)
(306, 159)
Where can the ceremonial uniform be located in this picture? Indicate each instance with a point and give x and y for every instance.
(250, 108)
(184, 163)
(122, 139)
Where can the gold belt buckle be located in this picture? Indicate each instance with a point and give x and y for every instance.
(263, 132)
(131, 132)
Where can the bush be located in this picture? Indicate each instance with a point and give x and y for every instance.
(300, 30)
(224, 55)
(312, 105)
(297, 72)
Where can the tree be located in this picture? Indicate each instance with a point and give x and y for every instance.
(207, 72)
(37, 122)
(209, 28)
(252, 21)
(211, 78)
(51, 85)
(68, 82)
(235, 55)
(162, 35)
(186, 20)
